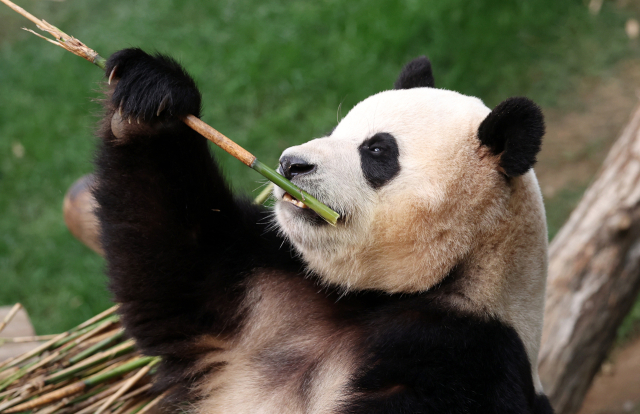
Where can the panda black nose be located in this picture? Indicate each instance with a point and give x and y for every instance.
(291, 166)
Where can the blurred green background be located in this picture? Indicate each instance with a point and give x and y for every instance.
(273, 74)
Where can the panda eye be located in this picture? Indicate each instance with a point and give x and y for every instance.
(379, 159)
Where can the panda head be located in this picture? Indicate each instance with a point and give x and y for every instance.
(425, 181)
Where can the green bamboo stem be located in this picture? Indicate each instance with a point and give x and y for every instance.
(121, 370)
(115, 352)
(264, 194)
(35, 352)
(21, 372)
(98, 317)
(97, 347)
(325, 212)
(85, 333)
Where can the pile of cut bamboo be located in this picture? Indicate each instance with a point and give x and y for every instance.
(93, 368)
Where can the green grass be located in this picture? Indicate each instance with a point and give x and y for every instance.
(273, 74)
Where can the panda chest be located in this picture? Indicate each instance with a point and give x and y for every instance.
(288, 358)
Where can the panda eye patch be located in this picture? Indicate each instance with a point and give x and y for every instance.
(379, 159)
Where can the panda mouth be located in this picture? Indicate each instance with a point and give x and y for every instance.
(289, 199)
(303, 211)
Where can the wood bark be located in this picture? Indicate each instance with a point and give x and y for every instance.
(594, 275)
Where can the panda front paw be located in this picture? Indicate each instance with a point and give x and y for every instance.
(149, 90)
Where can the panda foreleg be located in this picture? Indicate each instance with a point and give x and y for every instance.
(177, 243)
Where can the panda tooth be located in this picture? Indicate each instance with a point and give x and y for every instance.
(289, 198)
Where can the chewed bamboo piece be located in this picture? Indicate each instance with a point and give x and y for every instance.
(62, 39)
(76, 47)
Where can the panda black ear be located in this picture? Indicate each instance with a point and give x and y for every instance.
(514, 130)
(416, 74)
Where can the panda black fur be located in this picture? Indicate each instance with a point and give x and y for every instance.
(247, 320)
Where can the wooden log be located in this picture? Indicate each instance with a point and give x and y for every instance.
(594, 275)
(78, 210)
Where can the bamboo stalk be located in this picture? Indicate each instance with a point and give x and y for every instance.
(27, 369)
(97, 338)
(80, 386)
(96, 400)
(25, 339)
(91, 408)
(69, 390)
(62, 39)
(129, 366)
(36, 351)
(99, 316)
(76, 47)
(54, 408)
(90, 332)
(138, 407)
(325, 212)
(10, 315)
(125, 406)
(24, 397)
(21, 372)
(6, 374)
(94, 395)
(95, 348)
(264, 194)
(220, 140)
(126, 386)
(153, 402)
(105, 366)
(121, 349)
(136, 392)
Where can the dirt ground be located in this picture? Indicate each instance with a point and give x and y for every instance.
(577, 140)
(616, 389)
(576, 143)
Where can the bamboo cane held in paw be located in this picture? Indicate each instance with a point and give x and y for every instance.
(76, 47)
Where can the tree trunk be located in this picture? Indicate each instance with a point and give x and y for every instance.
(594, 275)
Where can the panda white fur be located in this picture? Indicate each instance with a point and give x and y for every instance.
(426, 297)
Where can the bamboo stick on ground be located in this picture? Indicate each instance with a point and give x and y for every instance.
(81, 386)
(137, 392)
(90, 404)
(37, 351)
(121, 349)
(25, 339)
(97, 347)
(139, 406)
(125, 406)
(126, 386)
(153, 403)
(69, 390)
(99, 316)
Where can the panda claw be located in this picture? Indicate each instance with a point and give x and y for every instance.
(129, 119)
(120, 108)
(112, 74)
(163, 105)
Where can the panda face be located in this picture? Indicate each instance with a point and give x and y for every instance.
(402, 168)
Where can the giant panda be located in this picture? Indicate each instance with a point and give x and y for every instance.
(426, 297)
